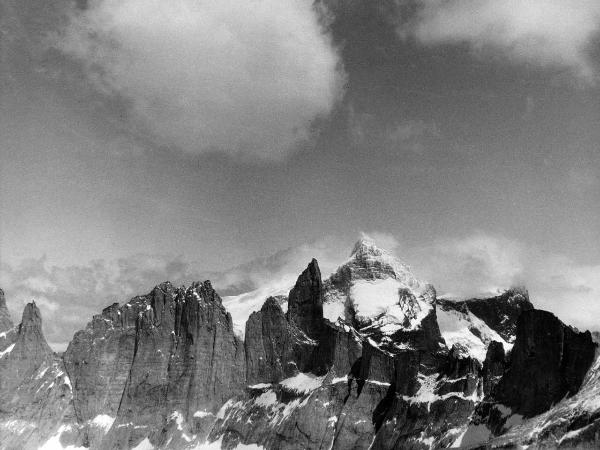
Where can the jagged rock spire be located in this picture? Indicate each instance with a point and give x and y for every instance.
(305, 301)
(6, 322)
(28, 353)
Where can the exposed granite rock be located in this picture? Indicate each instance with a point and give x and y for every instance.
(28, 352)
(339, 349)
(275, 348)
(493, 366)
(187, 359)
(35, 392)
(549, 360)
(425, 338)
(462, 374)
(8, 331)
(500, 313)
(305, 301)
(6, 322)
(98, 360)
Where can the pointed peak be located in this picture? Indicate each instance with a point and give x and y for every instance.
(370, 261)
(32, 317)
(366, 245)
(313, 269)
(6, 322)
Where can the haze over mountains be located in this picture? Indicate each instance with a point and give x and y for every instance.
(367, 358)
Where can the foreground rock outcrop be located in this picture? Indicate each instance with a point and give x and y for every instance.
(548, 362)
(368, 358)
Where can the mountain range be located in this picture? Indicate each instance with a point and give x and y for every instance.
(368, 358)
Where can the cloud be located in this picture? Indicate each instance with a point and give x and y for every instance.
(464, 267)
(69, 296)
(549, 33)
(245, 78)
(484, 264)
(474, 265)
(283, 267)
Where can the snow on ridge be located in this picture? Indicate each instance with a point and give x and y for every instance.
(382, 290)
(7, 350)
(241, 306)
(456, 329)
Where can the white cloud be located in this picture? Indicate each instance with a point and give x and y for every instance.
(475, 265)
(555, 33)
(482, 263)
(485, 263)
(246, 78)
(69, 296)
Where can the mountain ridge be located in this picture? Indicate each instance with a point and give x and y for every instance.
(169, 370)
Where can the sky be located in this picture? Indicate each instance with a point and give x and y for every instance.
(144, 140)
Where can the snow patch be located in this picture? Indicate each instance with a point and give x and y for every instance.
(303, 382)
(221, 413)
(515, 419)
(456, 328)
(473, 435)
(216, 445)
(7, 350)
(54, 442)
(144, 445)
(42, 373)
(333, 309)
(241, 306)
(266, 399)
(103, 421)
(260, 386)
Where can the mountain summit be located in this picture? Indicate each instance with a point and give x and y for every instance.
(367, 359)
(373, 287)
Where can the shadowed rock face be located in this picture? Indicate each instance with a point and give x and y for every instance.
(493, 366)
(549, 360)
(6, 322)
(500, 313)
(275, 348)
(305, 301)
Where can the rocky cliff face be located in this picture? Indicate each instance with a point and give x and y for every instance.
(7, 327)
(305, 301)
(35, 391)
(548, 362)
(6, 322)
(163, 359)
(369, 358)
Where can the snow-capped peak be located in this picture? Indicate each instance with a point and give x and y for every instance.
(368, 261)
(372, 286)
